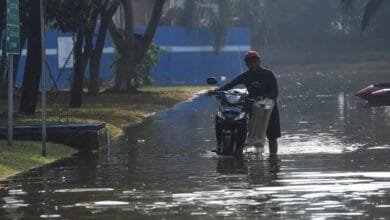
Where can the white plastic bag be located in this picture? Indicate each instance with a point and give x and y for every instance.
(258, 122)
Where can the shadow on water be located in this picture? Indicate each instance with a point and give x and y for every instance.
(333, 163)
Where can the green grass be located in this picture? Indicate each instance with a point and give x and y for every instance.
(25, 155)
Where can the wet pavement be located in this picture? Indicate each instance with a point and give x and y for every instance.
(333, 163)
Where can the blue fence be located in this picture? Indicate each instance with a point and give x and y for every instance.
(188, 56)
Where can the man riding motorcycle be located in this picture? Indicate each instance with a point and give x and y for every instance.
(260, 82)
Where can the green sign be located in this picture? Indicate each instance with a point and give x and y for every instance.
(13, 29)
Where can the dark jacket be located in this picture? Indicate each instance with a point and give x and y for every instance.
(261, 82)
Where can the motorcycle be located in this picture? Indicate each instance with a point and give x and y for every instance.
(231, 121)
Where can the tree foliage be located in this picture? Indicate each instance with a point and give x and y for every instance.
(143, 70)
(81, 18)
(69, 16)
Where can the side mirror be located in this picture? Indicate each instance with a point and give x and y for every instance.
(212, 81)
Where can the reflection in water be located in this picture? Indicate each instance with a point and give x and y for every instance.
(232, 166)
(254, 169)
(333, 163)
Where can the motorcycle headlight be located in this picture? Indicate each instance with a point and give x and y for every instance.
(240, 116)
(220, 115)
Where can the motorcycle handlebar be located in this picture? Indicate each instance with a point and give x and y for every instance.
(213, 93)
(218, 93)
(255, 99)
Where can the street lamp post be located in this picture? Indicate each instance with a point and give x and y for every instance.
(43, 53)
(12, 47)
(10, 98)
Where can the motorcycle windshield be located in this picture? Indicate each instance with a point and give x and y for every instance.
(233, 98)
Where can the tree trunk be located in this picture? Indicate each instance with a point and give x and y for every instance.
(33, 68)
(94, 65)
(94, 69)
(131, 50)
(124, 70)
(124, 43)
(152, 26)
(78, 73)
(82, 58)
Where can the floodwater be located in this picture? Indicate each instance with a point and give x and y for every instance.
(333, 163)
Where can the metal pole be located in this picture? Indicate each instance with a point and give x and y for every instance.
(43, 79)
(10, 98)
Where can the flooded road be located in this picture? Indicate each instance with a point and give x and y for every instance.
(333, 163)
